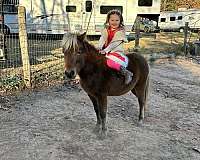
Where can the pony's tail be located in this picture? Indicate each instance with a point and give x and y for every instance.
(146, 92)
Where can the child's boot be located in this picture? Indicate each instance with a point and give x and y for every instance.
(128, 75)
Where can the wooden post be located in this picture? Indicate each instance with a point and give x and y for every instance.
(185, 38)
(3, 51)
(24, 46)
(137, 33)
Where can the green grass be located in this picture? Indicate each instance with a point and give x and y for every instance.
(11, 83)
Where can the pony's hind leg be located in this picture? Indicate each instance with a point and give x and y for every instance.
(141, 93)
(96, 108)
(142, 106)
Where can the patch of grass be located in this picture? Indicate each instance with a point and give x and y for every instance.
(179, 50)
(47, 76)
(11, 83)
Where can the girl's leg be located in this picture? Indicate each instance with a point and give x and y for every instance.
(112, 64)
(128, 75)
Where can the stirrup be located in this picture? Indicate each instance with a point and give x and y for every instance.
(128, 79)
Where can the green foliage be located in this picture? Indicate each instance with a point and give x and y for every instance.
(171, 5)
(47, 77)
(168, 5)
(179, 50)
(11, 83)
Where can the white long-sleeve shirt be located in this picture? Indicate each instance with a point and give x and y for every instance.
(116, 44)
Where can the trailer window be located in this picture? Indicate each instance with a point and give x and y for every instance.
(172, 18)
(10, 8)
(180, 18)
(162, 19)
(145, 2)
(11, 2)
(70, 8)
(88, 6)
(106, 9)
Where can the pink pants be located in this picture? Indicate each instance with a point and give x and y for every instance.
(112, 64)
(116, 59)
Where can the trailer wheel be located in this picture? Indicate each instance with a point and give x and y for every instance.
(181, 30)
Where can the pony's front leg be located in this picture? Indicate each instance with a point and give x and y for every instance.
(102, 103)
(96, 108)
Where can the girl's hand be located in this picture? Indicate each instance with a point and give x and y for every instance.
(102, 52)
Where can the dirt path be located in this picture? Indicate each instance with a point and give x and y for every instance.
(57, 123)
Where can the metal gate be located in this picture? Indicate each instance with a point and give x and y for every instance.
(6, 8)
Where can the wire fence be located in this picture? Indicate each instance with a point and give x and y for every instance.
(46, 59)
(45, 56)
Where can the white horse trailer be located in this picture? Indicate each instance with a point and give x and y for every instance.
(60, 16)
(175, 20)
(8, 18)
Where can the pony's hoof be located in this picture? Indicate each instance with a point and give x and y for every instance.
(103, 135)
(97, 129)
(140, 123)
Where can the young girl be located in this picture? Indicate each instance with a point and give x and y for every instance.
(111, 44)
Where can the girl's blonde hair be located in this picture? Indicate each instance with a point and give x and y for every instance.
(117, 12)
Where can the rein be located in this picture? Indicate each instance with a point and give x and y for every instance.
(121, 41)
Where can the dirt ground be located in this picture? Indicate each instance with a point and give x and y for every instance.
(57, 123)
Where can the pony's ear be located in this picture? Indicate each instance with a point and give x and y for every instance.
(82, 36)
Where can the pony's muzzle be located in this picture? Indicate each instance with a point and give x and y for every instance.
(70, 74)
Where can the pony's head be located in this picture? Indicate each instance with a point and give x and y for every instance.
(73, 49)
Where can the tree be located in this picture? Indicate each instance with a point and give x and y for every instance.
(170, 5)
(188, 4)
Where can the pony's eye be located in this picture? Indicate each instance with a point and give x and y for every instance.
(79, 52)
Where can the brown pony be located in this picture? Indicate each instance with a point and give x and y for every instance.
(98, 80)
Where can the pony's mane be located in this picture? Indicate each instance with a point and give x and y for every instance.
(89, 47)
(70, 41)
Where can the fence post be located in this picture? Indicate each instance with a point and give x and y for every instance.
(3, 51)
(137, 33)
(185, 38)
(24, 46)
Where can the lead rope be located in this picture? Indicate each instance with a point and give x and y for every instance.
(122, 41)
(89, 20)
